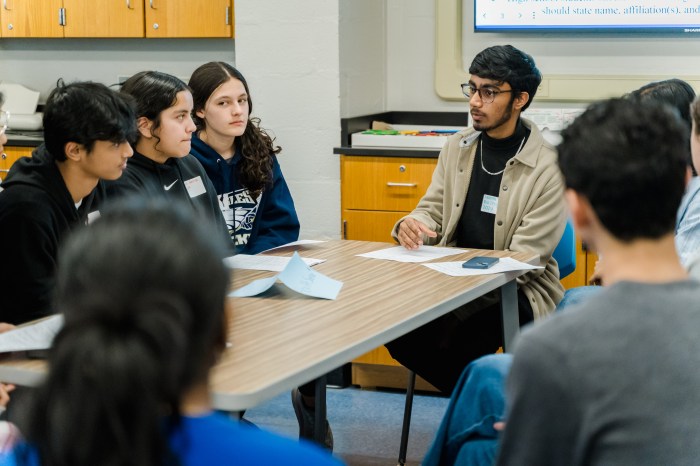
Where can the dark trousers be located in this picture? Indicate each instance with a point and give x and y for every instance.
(440, 350)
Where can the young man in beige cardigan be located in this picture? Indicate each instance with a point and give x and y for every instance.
(611, 380)
(496, 186)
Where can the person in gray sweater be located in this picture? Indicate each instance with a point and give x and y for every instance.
(614, 380)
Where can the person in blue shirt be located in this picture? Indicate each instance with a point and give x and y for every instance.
(240, 158)
(688, 220)
(128, 378)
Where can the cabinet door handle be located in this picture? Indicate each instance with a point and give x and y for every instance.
(4, 5)
(345, 229)
(128, 5)
(150, 3)
(391, 184)
(228, 15)
(4, 170)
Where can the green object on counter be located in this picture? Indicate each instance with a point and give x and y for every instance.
(382, 132)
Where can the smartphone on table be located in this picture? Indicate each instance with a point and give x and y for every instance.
(480, 262)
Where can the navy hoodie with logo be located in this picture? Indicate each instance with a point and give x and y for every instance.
(255, 224)
(182, 178)
(36, 214)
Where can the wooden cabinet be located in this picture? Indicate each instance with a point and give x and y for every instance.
(104, 18)
(10, 155)
(368, 225)
(31, 18)
(189, 18)
(117, 18)
(375, 193)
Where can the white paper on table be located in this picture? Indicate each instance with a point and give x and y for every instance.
(270, 263)
(422, 254)
(297, 276)
(300, 242)
(505, 264)
(37, 336)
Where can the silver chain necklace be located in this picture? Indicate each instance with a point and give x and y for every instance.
(481, 156)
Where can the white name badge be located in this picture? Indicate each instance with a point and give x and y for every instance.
(195, 186)
(92, 216)
(489, 204)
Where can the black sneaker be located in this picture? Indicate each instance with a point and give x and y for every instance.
(306, 418)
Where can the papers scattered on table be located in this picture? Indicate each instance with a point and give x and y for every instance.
(297, 276)
(300, 242)
(270, 263)
(422, 254)
(505, 264)
(37, 336)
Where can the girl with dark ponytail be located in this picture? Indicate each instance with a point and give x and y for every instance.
(240, 158)
(128, 380)
(162, 165)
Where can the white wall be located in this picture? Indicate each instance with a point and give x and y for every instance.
(388, 46)
(411, 57)
(288, 50)
(411, 53)
(581, 53)
(38, 63)
(363, 57)
(410, 84)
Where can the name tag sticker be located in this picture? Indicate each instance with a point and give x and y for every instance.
(489, 204)
(195, 186)
(92, 216)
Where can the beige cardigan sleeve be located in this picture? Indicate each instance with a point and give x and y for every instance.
(430, 207)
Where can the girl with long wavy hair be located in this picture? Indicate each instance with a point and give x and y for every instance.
(240, 159)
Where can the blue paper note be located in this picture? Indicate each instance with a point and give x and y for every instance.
(254, 288)
(303, 279)
(296, 276)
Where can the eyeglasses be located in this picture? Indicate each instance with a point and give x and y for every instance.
(4, 120)
(486, 94)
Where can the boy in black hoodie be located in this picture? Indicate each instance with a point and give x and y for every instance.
(87, 127)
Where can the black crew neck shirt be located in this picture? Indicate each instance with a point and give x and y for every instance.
(475, 227)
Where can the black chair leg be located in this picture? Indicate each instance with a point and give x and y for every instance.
(407, 417)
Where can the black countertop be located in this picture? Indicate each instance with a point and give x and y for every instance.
(387, 152)
(361, 123)
(24, 138)
(347, 127)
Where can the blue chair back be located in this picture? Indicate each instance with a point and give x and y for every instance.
(565, 252)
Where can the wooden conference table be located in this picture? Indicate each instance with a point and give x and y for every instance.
(284, 339)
